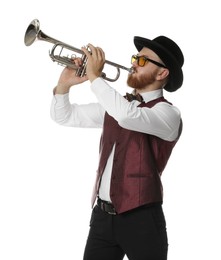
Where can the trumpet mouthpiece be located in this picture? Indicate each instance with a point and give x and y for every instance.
(131, 70)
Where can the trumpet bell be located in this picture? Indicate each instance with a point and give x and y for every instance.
(32, 32)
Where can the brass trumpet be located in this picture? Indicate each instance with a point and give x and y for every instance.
(34, 33)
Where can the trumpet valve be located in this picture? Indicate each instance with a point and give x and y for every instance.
(81, 71)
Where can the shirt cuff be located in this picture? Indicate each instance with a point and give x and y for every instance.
(61, 99)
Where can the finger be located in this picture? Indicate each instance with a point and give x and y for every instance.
(101, 52)
(92, 48)
(86, 51)
(77, 61)
(96, 51)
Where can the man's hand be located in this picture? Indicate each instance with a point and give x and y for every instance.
(68, 78)
(95, 63)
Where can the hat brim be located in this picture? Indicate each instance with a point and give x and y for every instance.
(176, 73)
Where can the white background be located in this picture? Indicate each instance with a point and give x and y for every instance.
(47, 171)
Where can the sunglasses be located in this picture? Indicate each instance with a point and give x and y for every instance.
(141, 61)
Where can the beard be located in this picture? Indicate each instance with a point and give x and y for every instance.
(140, 82)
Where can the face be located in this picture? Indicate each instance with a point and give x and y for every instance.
(145, 77)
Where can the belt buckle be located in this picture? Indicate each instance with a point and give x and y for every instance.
(105, 209)
(113, 212)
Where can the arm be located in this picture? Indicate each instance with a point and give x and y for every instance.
(64, 113)
(162, 120)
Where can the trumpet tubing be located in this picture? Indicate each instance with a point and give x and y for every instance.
(34, 33)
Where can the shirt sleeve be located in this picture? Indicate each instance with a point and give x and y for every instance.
(74, 115)
(162, 120)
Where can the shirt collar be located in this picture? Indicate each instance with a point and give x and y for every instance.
(151, 95)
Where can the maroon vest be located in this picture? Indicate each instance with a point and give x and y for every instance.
(139, 161)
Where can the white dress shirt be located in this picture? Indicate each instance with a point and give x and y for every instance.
(162, 120)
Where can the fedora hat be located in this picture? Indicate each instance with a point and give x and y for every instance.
(170, 53)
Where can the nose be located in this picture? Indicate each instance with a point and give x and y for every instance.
(134, 64)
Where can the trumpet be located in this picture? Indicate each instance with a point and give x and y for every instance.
(33, 33)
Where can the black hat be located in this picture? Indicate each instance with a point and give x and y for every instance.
(170, 53)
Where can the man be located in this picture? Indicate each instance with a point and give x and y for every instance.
(136, 143)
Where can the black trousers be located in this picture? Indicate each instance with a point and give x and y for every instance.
(140, 234)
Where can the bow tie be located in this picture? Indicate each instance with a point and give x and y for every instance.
(131, 97)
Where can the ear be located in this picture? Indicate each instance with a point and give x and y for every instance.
(162, 74)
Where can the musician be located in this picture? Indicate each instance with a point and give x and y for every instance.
(139, 134)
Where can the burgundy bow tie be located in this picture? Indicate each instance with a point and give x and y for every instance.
(131, 97)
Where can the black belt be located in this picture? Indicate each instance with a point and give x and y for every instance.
(106, 206)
